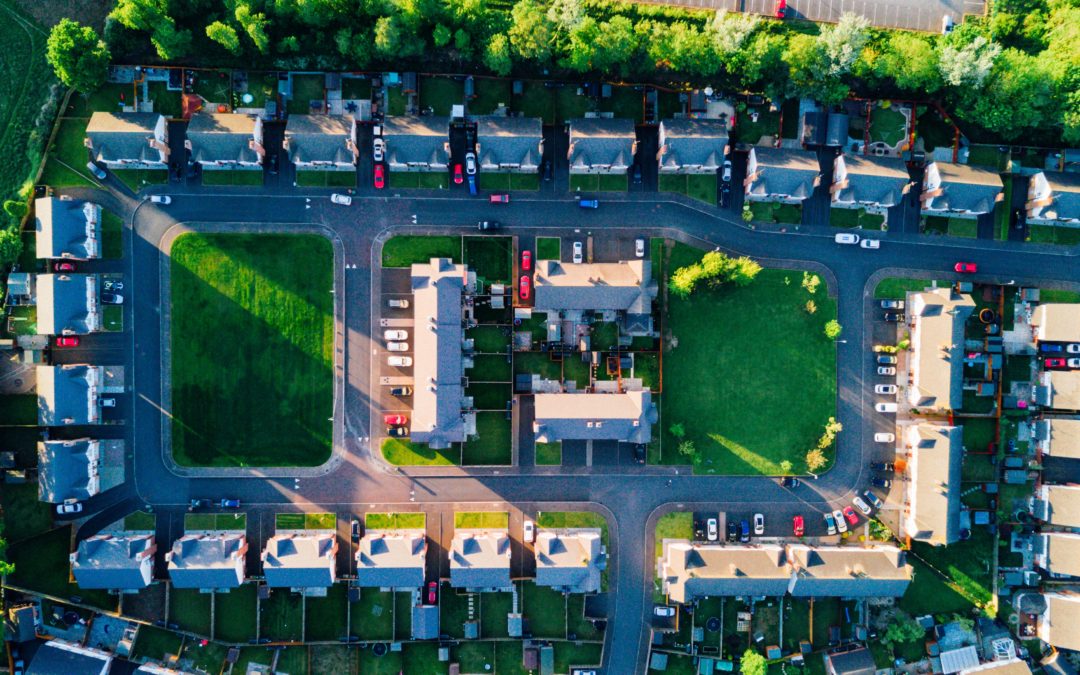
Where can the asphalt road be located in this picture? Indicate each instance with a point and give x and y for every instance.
(633, 496)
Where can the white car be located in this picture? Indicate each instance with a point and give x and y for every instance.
(841, 524)
(886, 370)
(726, 175)
(399, 361)
(1073, 363)
(639, 248)
(528, 531)
(395, 335)
(578, 248)
(889, 407)
(108, 402)
(96, 170)
(161, 199)
(861, 505)
(397, 346)
(846, 238)
(68, 508)
(713, 531)
(344, 200)
(759, 523)
(664, 611)
(947, 24)
(397, 304)
(1073, 348)
(470, 163)
(377, 149)
(880, 388)
(884, 438)
(870, 243)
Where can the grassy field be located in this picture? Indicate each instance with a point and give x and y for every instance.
(253, 340)
(137, 179)
(931, 594)
(66, 161)
(24, 515)
(497, 520)
(1052, 295)
(394, 521)
(965, 564)
(490, 257)
(405, 250)
(744, 415)
(402, 452)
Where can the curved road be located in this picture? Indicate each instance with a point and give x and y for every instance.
(632, 494)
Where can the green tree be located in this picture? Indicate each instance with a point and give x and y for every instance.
(833, 329)
(79, 57)
(169, 42)
(288, 45)
(10, 247)
(752, 663)
(910, 61)
(225, 35)
(816, 460)
(969, 65)
(463, 42)
(16, 209)
(902, 628)
(441, 36)
(810, 307)
(786, 466)
(254, 24)
(747, 214)
(531, 32)
(1018, 98)
(762, 64)
(497, 55)
(687, 449)
(677, 430)
(745, 271)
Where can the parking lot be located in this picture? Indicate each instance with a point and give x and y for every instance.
(395, 286)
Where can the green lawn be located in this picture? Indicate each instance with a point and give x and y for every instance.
(372, 616)
(403, 251)
(343, 179)
(536, 362)
(1053, 295)
(112, 235)
(474, 520)
(18, 409)
(545, 609)
(930, 594)
(155, 643)
(887, 126)
(748, 131)
(492, 444)
(22, 320)
(402, 615)
(66, 160)
(42, 564)
(489, 93)
(978, 433)
(964, 227)
(112, 318)
(1048, 234)
(281, 617)
(428, 180)
(305, 89)
(987, 156)
(490, 257)
(549, 454)
(233, 177)
(137, 179)
(234, 614)
(933, 130)
(490, 339)
(489, 396)
(252, 356)
(440, 93)
(493, 610)
(701, 187)
(895, 287)
(166, 102)
(453, 610)
(215, 521)
(840, 217)
(306, 521)
(501, 181)
(396, 101)
(24, 515)
(548, 248)
(324, 618)
(140, 520)
(490, 368)
(569, 654)
(190, 609)
(394, 521)
(402, 452)
(774, 212)
(626, 102)
(207, 657)
(676, 525)
(965, 563)
(355, 88)
(743, 416)
(594, 182)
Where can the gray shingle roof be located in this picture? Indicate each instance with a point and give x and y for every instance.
(509, 142)
(937, 338)
(781, 173)
(601, 142)
(66, 303)
(848, 571)
(114, 562)
(68, 469)
(625, 285)
(208, 561)
(480, 559)
(933, 495)
(319, 138)
(869, 181)
(626, 417)
(417, 141)
(853, 662)
(959, 188)
(59, 657)
(64, 395)
(691, 571)
(425, 622)
(569, 560)
(391, 559)
(1064, 193)
(222, 137)
(124, 136)
(65, 228)
(693, 142)
(300, 561)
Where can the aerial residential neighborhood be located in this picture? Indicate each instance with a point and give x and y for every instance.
(540, 337)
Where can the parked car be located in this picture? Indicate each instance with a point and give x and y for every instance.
(830, 523)
(399, 361)
(338, 198)
(887, 407)
(664, 611)
(838, 516)
(393, 334)
(1051, 348)
(725, 172)
(432, 592)
(528, 531)
(69, 508)
(526, 260)
(67, 341)
(545, 169)
(397, 432)
(790, 482)
(892, 304)
(639, 248)
(887, 360)
(885, 389)
(488, 225)
(397, 346)
(395, 419)
(378, 147)
(1054, 363)
(780, 11)
(499, 199)
(96, 170)
(870, 243)
(744, 531)
(161, 199)
(886, 370)
(872, 499)
(472, 184)
(881, 482)
(459, 176)
(578, 252)
(894, 317)
(798, 527)
(732, 531)
(1074, 362)
(470, 163)
(401, 391)
(112, 298)
(64, 266)
(397, 303)
(637, 173)
(524, 287)
(849, 514)
(380, 177)
(354, 530)
(947, 24)
(199, 504)
(861, 505)
(589, 203)
(965, 268)
(846, 238)
(108, 402)
(759, 523)
(883, 437)
(229, 503)
(711, 529)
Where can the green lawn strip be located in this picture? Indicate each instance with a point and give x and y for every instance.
(208, 657)
(964, 227)
(1049, 234)
(539, 363)
(734, 427)
(978, 433)
(112, 235)
(492, 445)
(453, 611)
(140, 520)
(524, 181)
(895, 288)
(252, 350)
(190, 609)
(549, 454)
(929, 593)
(966, 564)
(702, 187)
(233, 177)
(289, 521)
(371, 618)
(545, 609)
(423, 658)
(402, 615)
(568, 654)
(495, 181)
(42, 565)
(234, 614)
(396, 101)
(230, 521)
(67, 156)
(587, 182)
(609, 182)
(774, 212)
(280, 616)
(22, 320)
(305, 89)
(578, 627)
(491, 339)
(154, 643)
(490, 257)
(676, 525)
(1003, 211)
(489, 396)
(573, 519)
(325, 618)
(672, 182)
(1053, 295)
(199, 521)
(402, 452)
(481, 520)
(293, 660)
(604, 336)
(548, 248)
(491, 368)
(107, 98)
(493, 610)
(647, 367)
(342, 179)
(405, 250)
(18, 409)
(987, 156)
(112, 318)
(827, 613)
(387, 664)
(28, 260)
(796, 623)
(166, 102)
(394, 521)
(137, 179)
(710, 608)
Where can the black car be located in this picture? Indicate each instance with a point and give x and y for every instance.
(744, 531)
(637, 173)
(790, 482)
(547, 170)
(732, 531)
(401, 391)
(881, 482)
(639, 453)
(487, 225)
(199, 504)
(355, 530)
(894, 317)
(882, 466)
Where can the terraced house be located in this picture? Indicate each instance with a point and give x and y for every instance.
(128, 140)
(225, 141)
(781, 175)
(959, 191)
(513, 144)
(114, 562)
(1054, 199)
(601, 145)
(67, 304)
(66, 228)
(692, 145)
(321, 142)
(208, 561)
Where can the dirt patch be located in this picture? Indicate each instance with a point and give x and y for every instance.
(49, 12)
(148, 604)
(332, 659)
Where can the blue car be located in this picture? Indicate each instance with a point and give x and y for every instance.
(744, 531)
(230, 503)
(1050, 349)
(589, 204)
(472, 185)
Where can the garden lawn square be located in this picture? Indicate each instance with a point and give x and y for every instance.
(577, 624)
(405, 250)
(137, 179)
(490, 368)
(539, 363)
(536, 100)
(112, 237)
(493, 610)
(749, 131)
(292, 660)
(508, 658)
(490, 92)
(190, 609)
(325, 618)
(234, 614)
(677, 525)
(342, 179)
(730, 378)
(647, 367)
(24, 515)
(402, 615)
(402, 452)
(887, 126)
(453, 611)
(626, 103)
(252, 349)
(490, 258)
(826, 613)
(476, 657)
(372, 618)
(545, 608)
(281, 616)
(896, 288)
(549, 454)
(489, 396)
(254, 655)
(66, 160)
(491, 339)
(702, 187)
(548, 248)
(965, 563)
(440, 93)
(154, 643)
(928, 593)
(577, 370)
(472, 520)
(672, 182)
(233, 177)
(569, 654)
(394, 521)
(208, 657)
(423, 658)
(305, 89)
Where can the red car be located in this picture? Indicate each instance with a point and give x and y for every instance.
(499, 199)
(380, 177)
(798, 526)
(396, 420)
(965, 268)
(459, 178)
(432, 592)
(524, 287)
(849, 515)
(64, 267)
(526, 260)
(781, 9)
(1050, 363)
(72, 341)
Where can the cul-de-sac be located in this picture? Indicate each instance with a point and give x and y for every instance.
(540, 337)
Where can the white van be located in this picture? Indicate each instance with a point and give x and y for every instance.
(846, 238)
(889, 407)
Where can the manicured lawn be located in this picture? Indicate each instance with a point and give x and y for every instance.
(1052, 295)
(387, 664)
(502, 181)
(355, 88)
(215, 521)
(344, 179)
(677, 525)
(293, 660)
(490, 257)
(491, 339)
(839, 217)
(749, 131)
(137, 179)
(253, 655)
(42, 564)
(325, 618)
(281, 616)
(987, 156)
(493, 610)
(576, 622)
(252, 356)
(112, 235)
(18, 409)
(233, 177)
(490, 368)
(372, 616)
(305, 89)
(155, 643)
(66, 160)
(140, 520)
(440, 93)
(234, 614)
(489, 396)
(475, 520)
(165, 102)
(887, 126)
(405, 250)
(963, 227)
(743, 416)
(933, 130)
(308, 521)
(647, 367)
(334, 658)
(965, 563)
(394, 521)
(208, 657)
(24, 515)
(453, 611)
(572, 519)
(773, 212)
(548, 248)
(568, 654)
(396, 101)
(894, 288)
(112, 318)
(403, 452)
(701, 187)
(489, 93)
(22, 320)
(475, 657)
(190, 609)
(402, 615)
(626, 103)
(536, 362)
(928, 593)
(1064, 236)
(545, 609)
(577, 370)
(508, 658)
(978, 433)
(549, 454)
(593, 182)
(429, 180)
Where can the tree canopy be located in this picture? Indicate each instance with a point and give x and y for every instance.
(79, 57)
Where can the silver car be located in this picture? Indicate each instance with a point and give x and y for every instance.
(578, 248)
(397, 346)
(377, 149)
